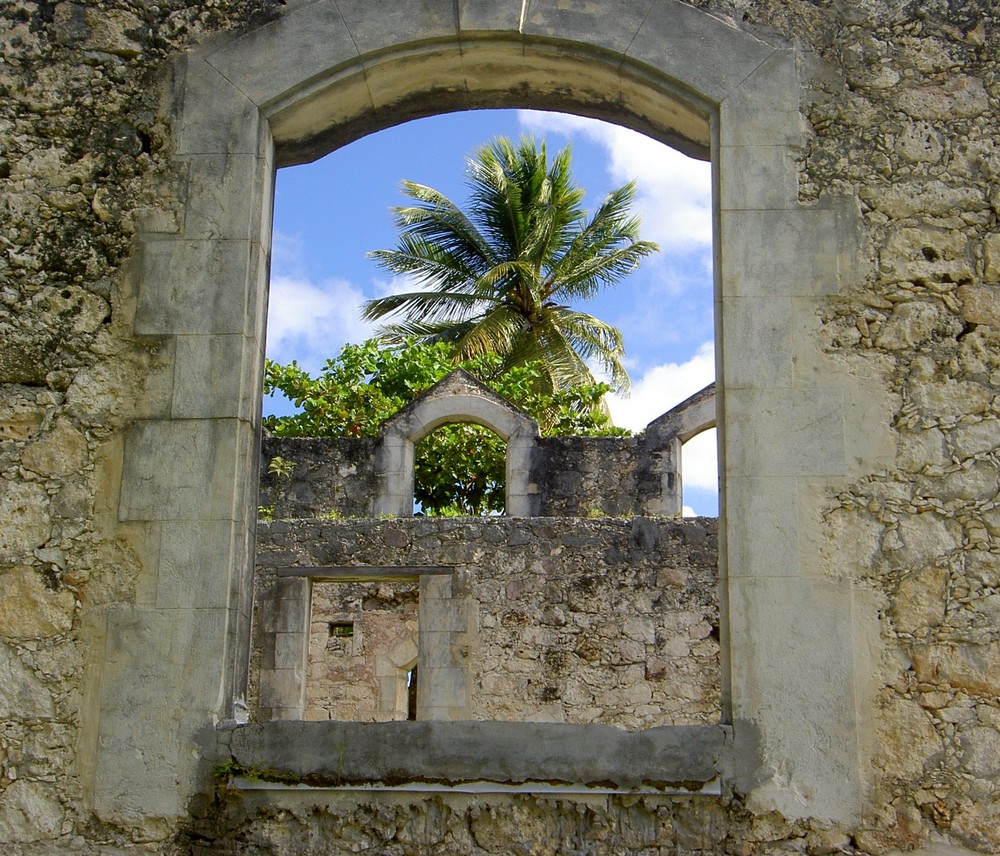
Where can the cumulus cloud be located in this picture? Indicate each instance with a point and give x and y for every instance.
(308, 319)
(674, 191)
(661, 387)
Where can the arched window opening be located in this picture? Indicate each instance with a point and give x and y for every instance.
(460, 471)
(321, 272)
(434, 455)
(700, 469)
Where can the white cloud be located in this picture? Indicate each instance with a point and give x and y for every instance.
(674, 191)
(310, 321)
(662, 387)
(700, 462)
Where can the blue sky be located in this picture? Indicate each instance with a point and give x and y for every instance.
(329, 214)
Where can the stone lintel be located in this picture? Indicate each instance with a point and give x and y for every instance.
(364, 573)
(339, 753)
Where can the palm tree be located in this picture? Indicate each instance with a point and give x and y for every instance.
(501, 278)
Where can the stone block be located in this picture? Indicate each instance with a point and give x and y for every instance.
(436, 649)
(372, 30)
(981, 752)
(321, 38)
(290, 651)
(907, 740)
(763, 108)
(193, 287)
(612, 27)
(144, 768)
(796, 644)
(216, 377)
(29, 608)
(443, 689)
(920, 600)
(436, 587)
(180, 470)
(491, 15)
(216, 116)
(684, 43)
(22, 693)
(222, 195)
(60, 452)
(758, 334)
(991, 252)
(24, 518)
(926, 252)
(189, 575)
(507, 752)
(785, 432)
(980, 304)
(965, 666)
(292, 616)
(281, 688)
(755, 177)
(763, 531)
(779, 253)
(30, 812)
(909, 325)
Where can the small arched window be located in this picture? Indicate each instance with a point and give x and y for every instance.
(460, 470)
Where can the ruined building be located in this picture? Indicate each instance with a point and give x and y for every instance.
(836, 690)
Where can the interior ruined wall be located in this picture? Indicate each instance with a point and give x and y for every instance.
(342, 681)
(608, 621)
(899, 104)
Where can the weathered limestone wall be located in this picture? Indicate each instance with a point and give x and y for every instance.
(894, 111)
(85, 160)
(609, 621)
(329, 477)
(568, 477)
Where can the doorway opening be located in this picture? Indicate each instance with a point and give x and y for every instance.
(362, 652)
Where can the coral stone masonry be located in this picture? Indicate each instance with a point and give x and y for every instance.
(828, 685)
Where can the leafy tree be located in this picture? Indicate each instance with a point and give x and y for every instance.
(500, 279)
(459, 468)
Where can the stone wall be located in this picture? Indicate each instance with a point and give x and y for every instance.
(892, 111)
(569, 476)
(328, 477)
(609, 621)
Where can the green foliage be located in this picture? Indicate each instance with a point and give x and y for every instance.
(459, 468)
(279, 466)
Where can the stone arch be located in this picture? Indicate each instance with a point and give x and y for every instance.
(457, 398)
(665, 437)
(322, 73)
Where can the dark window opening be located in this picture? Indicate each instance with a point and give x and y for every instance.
(411, 694)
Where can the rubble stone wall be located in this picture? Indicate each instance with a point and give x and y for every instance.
(609, 621)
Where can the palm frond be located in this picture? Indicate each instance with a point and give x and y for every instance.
(494, 277)
(425, 305)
